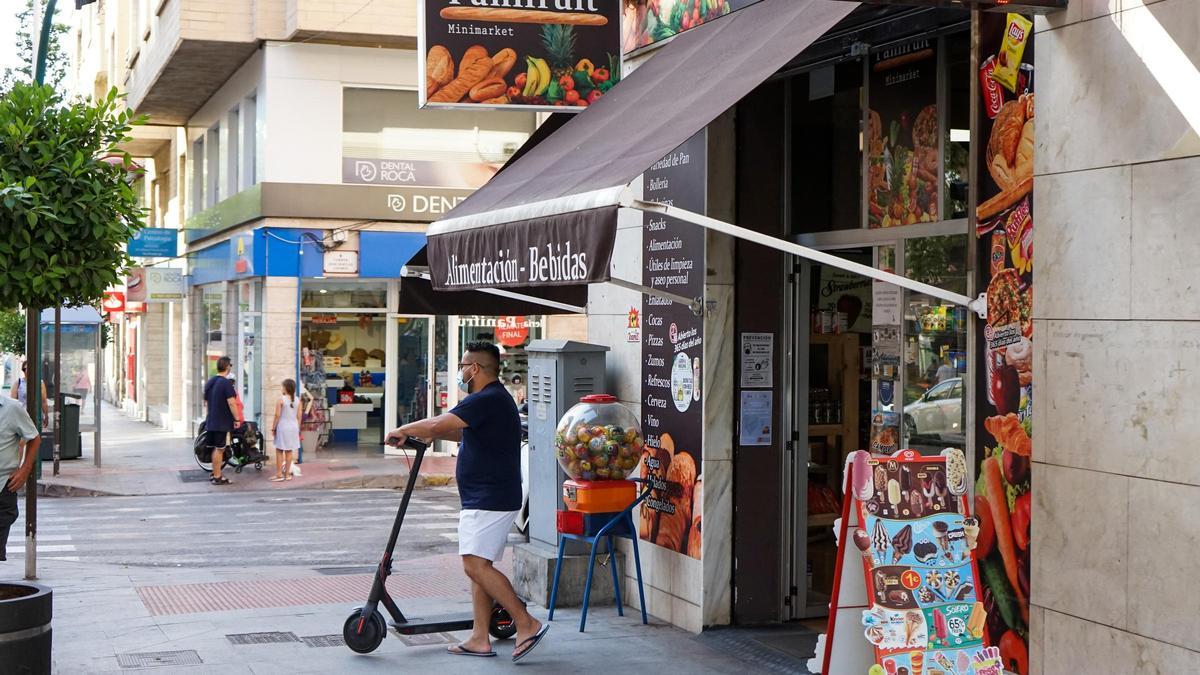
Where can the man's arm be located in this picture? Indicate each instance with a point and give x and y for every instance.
(235, 407)
(31, 440)
(444, 427)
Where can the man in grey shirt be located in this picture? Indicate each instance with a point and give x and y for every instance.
(17, 434)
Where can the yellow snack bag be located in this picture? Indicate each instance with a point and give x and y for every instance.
(1012, 50)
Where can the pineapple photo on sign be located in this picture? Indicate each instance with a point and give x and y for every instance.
(554, 55)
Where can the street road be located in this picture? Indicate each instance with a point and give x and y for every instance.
(309, 528)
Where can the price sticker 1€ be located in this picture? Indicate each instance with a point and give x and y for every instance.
(910, 580)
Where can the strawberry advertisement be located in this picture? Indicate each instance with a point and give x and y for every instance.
(530, 54)
(1005, 387)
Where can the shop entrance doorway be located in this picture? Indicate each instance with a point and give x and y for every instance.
(874, 367)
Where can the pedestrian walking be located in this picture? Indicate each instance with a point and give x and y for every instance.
(223, 414)
(19, 391)
(81, 384)
(19, 441)
(286, 431)
(488, 474)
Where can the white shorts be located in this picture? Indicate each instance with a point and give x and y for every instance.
(484, 533)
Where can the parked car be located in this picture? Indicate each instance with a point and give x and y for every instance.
(938, 414)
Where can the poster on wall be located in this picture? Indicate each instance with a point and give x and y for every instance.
(848, 296)
(673, 351)
(903, 133)
(645, 22)
(559, 56)
(1005, 391)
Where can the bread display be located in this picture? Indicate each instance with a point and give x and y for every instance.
(476, 65)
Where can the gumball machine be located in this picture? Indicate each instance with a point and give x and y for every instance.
(598, 443)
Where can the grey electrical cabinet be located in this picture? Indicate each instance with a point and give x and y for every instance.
(560, 373)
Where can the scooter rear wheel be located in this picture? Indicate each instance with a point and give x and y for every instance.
(501, 624)
(369, 638)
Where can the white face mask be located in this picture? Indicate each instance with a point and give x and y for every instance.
(463, 385)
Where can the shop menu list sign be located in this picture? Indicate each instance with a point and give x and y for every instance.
(558, 56)
(672, 352)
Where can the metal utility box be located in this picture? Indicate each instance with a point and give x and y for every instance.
(560, 373)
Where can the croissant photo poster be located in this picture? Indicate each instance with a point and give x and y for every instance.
(1006, 344)
(559, 55)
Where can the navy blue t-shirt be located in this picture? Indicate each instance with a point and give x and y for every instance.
(489, 460)
(217, 392)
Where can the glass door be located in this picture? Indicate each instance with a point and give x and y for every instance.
(413, 370)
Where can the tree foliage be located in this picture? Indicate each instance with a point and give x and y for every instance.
(12, 331)
(28, 32)
(65, 211)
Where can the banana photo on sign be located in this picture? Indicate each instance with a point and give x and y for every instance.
(494, 54)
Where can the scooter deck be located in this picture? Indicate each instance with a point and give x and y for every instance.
(443, 623)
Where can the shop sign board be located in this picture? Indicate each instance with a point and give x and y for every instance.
(154, 242)
(113, 302)
(152, 284)
(904, 136)
(672, 352)
(341, 262)
(512, 331)
(562, 250)
(410, 172)
(645, 22)
(916, 537)
(1005, 346)
(553, 55)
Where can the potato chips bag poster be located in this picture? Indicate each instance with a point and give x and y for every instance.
(903, 136)
(672, 354)
(557, 55)
(1005, 387)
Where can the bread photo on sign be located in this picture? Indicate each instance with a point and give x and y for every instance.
(673, 525)
(649, 516)
(694, 536)
(1009, 155)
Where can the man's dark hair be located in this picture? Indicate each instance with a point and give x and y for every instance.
(223, 364)
(493, 352)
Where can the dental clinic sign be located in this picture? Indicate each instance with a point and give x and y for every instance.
(562, 250)
(372, 171)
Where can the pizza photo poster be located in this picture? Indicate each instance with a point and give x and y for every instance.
(1004, 395)
(916, 536)
(903, 135)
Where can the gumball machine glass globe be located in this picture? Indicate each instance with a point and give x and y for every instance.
(598, 439)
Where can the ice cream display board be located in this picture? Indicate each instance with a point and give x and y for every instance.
(906, 519)
(915, 535)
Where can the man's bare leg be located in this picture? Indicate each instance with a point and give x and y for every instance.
(218, 458)
(481, 605)
(496, 585)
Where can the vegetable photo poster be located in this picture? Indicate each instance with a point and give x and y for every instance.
(560, 56)
(903, 135)
(1004, 395)
(645, 22)
(673, 351)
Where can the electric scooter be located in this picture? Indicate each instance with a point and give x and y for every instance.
(365, 628)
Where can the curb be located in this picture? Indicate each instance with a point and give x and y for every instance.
(383, 482)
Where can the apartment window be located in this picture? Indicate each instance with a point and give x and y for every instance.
(249, 172)
(232, 158)
(212, 167)
(388, 140)
(197, 159)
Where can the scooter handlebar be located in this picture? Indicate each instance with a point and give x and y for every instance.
(410, 443)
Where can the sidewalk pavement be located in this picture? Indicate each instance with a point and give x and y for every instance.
(141, 459)
(113, 619)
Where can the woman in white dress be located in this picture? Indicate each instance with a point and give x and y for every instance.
(286, 431)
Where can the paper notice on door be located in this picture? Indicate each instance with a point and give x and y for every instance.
(757, 366)
(886, 303)
(755, 423)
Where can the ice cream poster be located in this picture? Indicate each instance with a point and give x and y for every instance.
(917, 537)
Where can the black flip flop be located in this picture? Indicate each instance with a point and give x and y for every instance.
(220, 481)
(522, 650)
(459, 650)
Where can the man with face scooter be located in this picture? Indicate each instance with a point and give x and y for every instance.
(488, 473)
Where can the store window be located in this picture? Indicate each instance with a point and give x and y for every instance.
(212, 325)
(512, 334)
(327, 294)
(388, 140)
(935, 345)
(957, 136)
(249, 361)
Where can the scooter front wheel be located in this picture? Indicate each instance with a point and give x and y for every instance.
(369, 637)
(501, 624)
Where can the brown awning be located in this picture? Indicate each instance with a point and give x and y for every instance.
(549, 219)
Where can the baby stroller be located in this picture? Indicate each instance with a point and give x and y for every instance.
(246, 447)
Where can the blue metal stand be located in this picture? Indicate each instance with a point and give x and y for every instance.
(629, 532)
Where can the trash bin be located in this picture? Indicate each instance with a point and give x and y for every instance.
(71, 440)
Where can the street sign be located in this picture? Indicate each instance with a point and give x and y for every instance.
(154, 242)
